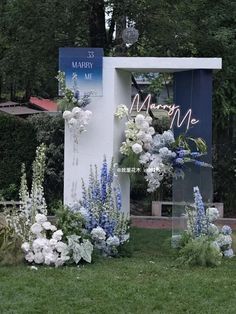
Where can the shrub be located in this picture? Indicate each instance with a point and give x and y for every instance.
(200, 252)
(17, 145)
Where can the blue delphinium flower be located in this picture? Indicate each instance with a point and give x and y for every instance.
(182, 153)
(104, 180)
(201, 217)
(118, 198)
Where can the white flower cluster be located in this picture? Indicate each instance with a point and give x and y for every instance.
(212, 214)
(42, 250)
(221, 239)
(109, 244)
(138, 135)
(77, 119)
(156, 161)
(121, 111)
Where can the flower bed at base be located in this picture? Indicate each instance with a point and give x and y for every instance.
(94, 223)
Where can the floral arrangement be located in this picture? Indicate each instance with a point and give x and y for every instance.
(201, 229)
(72, 105)
(77, 119)
(158, 155)
(71, 98)
(51, 250)
(28, 230)
(101, 208)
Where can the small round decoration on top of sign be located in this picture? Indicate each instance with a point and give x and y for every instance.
(130, 35)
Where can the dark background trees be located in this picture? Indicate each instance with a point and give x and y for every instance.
(32, 31)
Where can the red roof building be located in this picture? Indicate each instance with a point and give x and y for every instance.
(43, 104)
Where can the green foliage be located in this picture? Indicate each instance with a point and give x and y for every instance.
(10, 245)
(17, 145)
(200, 252)
(50, 130)
(103, 286)
(81, 249)
(69, 222)
(186, 142)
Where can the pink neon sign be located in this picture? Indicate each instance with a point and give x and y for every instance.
(173, 111)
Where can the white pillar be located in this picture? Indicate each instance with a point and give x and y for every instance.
(103, 136)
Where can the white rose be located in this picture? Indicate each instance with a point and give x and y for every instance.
(137, 148)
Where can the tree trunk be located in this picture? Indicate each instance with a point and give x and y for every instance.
(97, 30)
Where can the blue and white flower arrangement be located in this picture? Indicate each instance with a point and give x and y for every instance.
(201, 223)
(159, 155)
(101, 207)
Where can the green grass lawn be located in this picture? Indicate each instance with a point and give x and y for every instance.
(147, 282)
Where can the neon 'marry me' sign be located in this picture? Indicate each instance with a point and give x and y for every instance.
(173, 111)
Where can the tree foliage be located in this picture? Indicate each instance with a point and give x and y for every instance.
(32, 31)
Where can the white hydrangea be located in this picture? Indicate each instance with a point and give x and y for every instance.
(166, 153)
(38, 258)
(213, 230)
(228, 253)
(61, 247)
(144, 158)
(168, 137)
(84, 212)
(57, 235)
(98, 233)
(224, 240)
(212, 213)
(151, 130)
(113, 241)
(47, 225)
(36, 228)
(29, 257)
(124, 238)
(40, 218)
(25, 247)
(139, 119)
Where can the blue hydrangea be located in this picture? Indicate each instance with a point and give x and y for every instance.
(226, 230)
